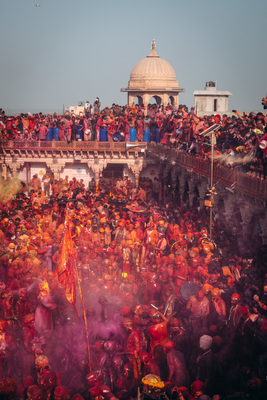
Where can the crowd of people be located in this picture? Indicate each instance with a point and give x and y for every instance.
(240, 140)
(154, 309)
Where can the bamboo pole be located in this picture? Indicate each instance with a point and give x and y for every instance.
(84, 317)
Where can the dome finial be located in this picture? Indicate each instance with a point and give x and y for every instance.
(153, 49)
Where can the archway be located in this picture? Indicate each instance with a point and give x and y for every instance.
(171, 101)
(196, 202)
(138, 100)
(155, 100)
(112, 172)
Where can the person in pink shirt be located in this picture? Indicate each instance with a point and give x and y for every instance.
(88, 130)
(67, 127)
(43, 131)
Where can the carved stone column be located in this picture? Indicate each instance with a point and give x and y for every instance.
(97, 169)
(146, 98)
(56, 168)
(161, 172)
(136, 167)
(253, 224)
(165, 99)
(233, 217)
(174, 180)
(4, 171)
(263, 225)
(28, 171)
(15, 166)
(202, 190)
(182, 180)
(191, 184)
(229, 202)
(165, 172)
(247, 215)
(131, 98)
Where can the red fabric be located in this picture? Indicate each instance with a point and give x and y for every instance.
(65, 270)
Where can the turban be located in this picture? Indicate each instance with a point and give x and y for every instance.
(205, 342)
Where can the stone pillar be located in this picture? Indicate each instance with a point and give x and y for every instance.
(161, 172)
(176, 101)
(247, 215)
(232, 222)
(165, 99)
(165, 172)
(97, 170)
(28, 172)
(203, 190)
(192, 184)
(174, 180)
(15, 166)
(130, 99)
(146, 98)
(56, 168)
(4, 171)
(253, 224)
(229, 203)
(263, 225)
(136, 167)
(182, 180)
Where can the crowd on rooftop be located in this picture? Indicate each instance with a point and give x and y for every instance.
(240, 140)
(169, 312)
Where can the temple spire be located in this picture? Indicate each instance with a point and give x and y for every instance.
(153, 49)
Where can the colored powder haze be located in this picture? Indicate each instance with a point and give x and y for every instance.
(65, 51)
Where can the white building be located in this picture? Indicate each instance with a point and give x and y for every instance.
(210, 100)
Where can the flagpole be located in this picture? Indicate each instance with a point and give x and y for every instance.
(72, 255)
(84, 317)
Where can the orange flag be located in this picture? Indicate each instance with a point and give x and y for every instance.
(65, 270)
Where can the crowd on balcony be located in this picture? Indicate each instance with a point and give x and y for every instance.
(170, 313)
(240, 140)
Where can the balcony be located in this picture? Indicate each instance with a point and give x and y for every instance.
(33, 151)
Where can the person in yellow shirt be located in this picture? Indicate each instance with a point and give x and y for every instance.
(260, 128)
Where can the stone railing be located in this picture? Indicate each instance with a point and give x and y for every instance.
(58, 145)
(243, 183)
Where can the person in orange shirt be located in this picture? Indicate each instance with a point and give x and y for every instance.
(141, 194)
(218, 307)
(35, 183)
(151, 234)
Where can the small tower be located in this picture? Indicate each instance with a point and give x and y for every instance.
(210, 100)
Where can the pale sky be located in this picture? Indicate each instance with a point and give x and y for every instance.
(66, 51)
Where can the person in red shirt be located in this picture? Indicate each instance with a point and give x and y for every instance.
(140, 128)
(61, 133)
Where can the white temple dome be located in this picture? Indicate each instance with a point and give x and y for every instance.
(153, 72)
